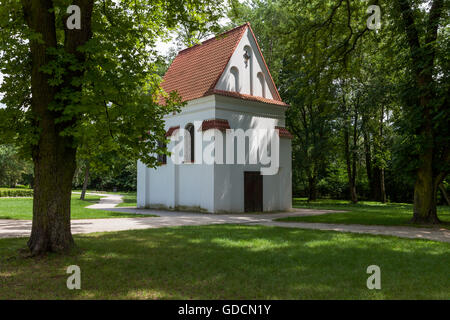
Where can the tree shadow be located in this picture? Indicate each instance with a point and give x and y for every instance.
(235, 262)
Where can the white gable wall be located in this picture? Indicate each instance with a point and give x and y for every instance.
(249, 82)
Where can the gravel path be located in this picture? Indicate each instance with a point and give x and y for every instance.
(21, 228)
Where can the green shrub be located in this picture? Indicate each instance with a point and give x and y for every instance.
(9, 192)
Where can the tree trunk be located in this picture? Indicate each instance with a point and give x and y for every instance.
(377, 183)
(444, 193)
(54, 167)
(368, 156)
(348, 160)
(382, 187)
(312, 188)
(54, 154)
(85, 183)
(423, 65)
(425, 192)
(354, 159)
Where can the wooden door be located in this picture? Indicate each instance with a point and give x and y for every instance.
(253, 191)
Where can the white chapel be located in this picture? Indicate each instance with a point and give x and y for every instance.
(229, 95)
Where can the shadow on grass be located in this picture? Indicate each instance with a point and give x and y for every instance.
(231, 262)
(367, 213)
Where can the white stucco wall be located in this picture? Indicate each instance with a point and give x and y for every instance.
(248, 74)
(184, 186)
(218, 187)
(229, 179)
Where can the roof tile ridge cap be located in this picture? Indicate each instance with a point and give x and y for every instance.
(244, 27)
(265, 64)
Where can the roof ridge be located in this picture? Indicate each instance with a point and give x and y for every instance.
(213, 38)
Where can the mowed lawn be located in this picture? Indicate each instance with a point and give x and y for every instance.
(129, 199)
(230, 262)
(364, 212)
(22, 208)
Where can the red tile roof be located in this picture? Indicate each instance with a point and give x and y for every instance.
(195, 71)
(171, 130)
(248, 97)
(284, 133)
(220, 124)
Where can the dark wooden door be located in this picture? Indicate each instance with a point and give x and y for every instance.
(253, 191)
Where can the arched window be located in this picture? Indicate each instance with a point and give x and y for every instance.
(248, 62)
(262, 84)
(162, 158)
(189, 140)
(234, 81)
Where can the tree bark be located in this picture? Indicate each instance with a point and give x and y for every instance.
(312, 188)
(350, 164)
(369, 169)
(425, 192)
(85, 183)
(382, 198)
(54, 166)
(354, 159)
(422, 58)
(444, 193)
(54, 154)
(382, 187)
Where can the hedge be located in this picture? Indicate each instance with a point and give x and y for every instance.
(7, 192)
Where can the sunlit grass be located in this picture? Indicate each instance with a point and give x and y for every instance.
(129, 199)
(364, 212)
(230, 262)
(22, 208)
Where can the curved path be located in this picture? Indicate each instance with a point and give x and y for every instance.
(21, 228)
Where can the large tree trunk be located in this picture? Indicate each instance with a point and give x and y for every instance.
(54, 154)
(54, 167)
(425, 192)
(376, 183)
(423, 65)
(85, 183)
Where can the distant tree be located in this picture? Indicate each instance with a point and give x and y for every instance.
(12, 167)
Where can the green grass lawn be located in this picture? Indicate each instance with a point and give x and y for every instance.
(230, 262)
(21, 208)
(129, 199)
(365, 212)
